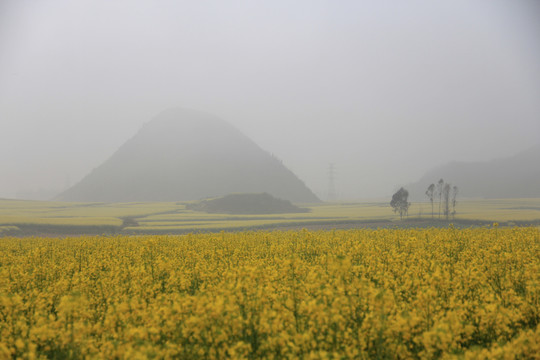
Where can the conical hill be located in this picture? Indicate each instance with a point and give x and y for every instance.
(188, 155)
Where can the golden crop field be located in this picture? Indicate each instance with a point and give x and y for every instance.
(381, 294)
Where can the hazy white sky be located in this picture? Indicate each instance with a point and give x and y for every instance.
(384, 89)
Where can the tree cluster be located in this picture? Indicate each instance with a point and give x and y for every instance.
(447, 195)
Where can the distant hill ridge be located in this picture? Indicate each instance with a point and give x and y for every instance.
(188, 155)
(513, 177)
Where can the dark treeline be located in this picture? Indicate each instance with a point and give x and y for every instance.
(442, 192)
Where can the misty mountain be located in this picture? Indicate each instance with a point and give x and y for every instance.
(514, 177)
(188, 155)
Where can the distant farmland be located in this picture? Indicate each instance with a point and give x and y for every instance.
(37, 217)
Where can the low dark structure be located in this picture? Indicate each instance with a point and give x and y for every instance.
(246, 204)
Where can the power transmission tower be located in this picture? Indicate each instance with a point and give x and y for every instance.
(331, 182)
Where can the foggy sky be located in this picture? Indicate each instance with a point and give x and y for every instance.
(386, 90)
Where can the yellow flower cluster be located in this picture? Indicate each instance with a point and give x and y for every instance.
(395, 294)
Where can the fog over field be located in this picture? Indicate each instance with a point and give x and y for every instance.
(384, 90)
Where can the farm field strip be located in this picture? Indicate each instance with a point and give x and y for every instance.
(56, 209)
(234, 224)
(22, 220)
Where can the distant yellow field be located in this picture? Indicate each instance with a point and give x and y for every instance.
(170, 216)
(377, 294)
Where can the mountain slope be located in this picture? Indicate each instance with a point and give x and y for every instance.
(188, 155)
(514, 177)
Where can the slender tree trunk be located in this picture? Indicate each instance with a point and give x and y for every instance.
(440, 204)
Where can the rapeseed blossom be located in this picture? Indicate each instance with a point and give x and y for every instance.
(432, 293)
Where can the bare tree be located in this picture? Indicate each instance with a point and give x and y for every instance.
(446, 198)
(430, 192)
(455, 191)
(440, 186)
(400, 202)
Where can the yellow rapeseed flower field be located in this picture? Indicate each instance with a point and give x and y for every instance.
(359, 294)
